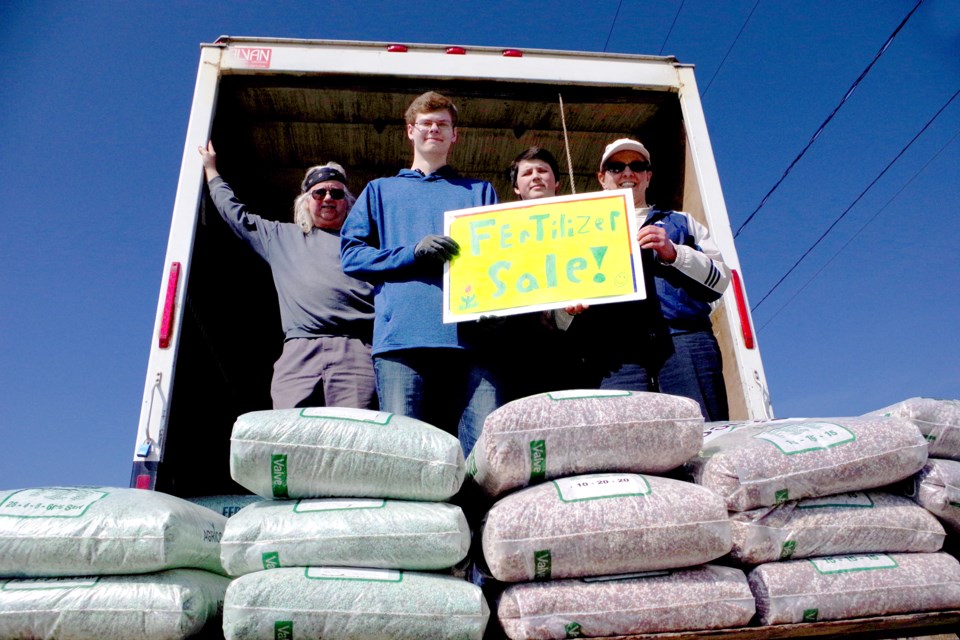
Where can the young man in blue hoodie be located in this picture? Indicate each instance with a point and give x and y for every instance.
(393, 238)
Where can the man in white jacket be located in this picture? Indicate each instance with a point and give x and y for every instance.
(690, 276)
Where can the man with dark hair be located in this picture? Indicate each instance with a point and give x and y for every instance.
(535, 354)
(394, 239)
(535, 174)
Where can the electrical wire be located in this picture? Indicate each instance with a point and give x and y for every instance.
(860, 230)
(663, 46)
(858, 198)
(730, 48)
(816, 135)
(612, 25)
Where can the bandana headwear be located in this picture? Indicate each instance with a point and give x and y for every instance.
(322, 174)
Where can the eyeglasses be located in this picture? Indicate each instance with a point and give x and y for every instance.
(427, 125)
(320, 194)
(637, 166)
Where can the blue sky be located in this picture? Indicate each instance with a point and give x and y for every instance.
(93, 115)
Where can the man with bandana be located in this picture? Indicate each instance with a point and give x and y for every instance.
(326, 315)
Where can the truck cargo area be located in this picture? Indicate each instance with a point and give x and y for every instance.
(269, 125)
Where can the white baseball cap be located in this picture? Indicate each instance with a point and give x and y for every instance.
(623, 144)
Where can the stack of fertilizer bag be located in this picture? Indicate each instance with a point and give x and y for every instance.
(102, 563)
(592, 538)
(353, 523)
(937, 486)
(806, 510)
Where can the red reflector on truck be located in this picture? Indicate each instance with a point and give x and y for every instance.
(512, 53)
(456, 51)
(745, 327)
(166, 322)
(397, 48)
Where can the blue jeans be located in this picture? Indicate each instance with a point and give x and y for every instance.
(630, 377)
(695, 370)
(447, 388)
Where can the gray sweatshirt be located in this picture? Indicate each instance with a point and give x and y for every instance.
(316, 297)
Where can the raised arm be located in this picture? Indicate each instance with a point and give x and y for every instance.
(209, 158)
(249, 227)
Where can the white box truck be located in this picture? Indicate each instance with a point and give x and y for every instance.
(276, 106)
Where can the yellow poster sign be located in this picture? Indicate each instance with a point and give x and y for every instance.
(542, 254)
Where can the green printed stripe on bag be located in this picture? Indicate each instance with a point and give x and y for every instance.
(283, 630)
(541, 564)
(278, 472)
(788, 549)
(271, 560)
(538, 460)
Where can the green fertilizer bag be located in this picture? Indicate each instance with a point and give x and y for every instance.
(87, 531)
(155, 606)
(347, 604)
(363, 532)
(332, 452)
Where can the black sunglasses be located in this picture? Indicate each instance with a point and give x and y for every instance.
(636, 166)
(320, 194)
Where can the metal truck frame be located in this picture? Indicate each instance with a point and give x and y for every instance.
(276, 106)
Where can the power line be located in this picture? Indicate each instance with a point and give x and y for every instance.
(612, 25)
(860, 230)
(852, 204)
(816, 135)
(732, 45)
(663, 46)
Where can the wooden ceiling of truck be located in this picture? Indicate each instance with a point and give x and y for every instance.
(268, 130)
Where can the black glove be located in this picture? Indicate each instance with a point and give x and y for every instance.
(436, 248)
(491, 323)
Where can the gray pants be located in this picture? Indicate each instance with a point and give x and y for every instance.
(329, 371)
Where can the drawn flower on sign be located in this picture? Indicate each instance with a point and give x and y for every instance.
(468, 300)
